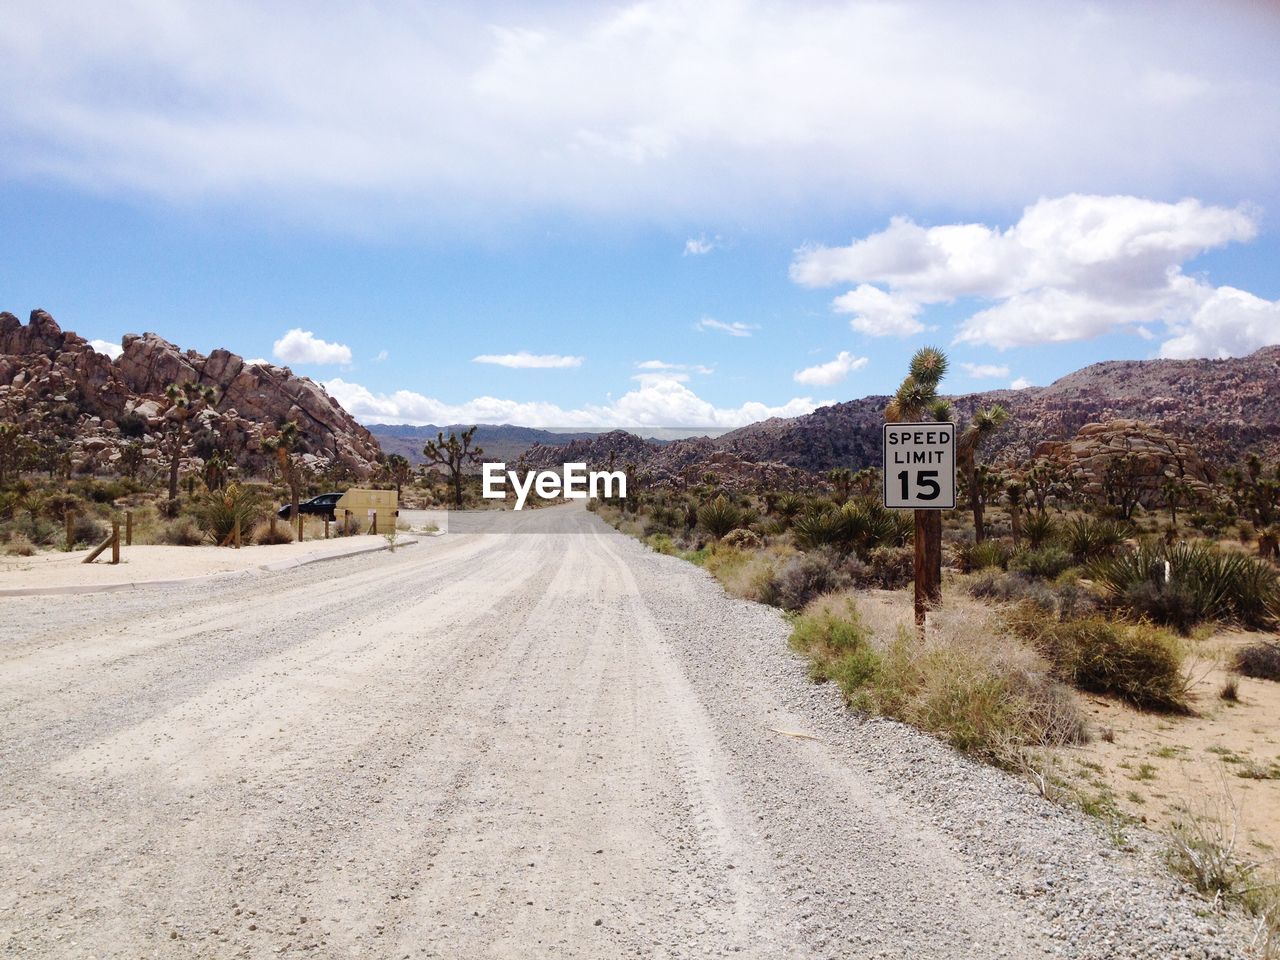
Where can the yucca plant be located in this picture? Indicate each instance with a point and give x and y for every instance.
(1039, 529)
(1188, 583)
(719, 517)
(820, 529)
(1090, 538)
(789, 506)
(218, 511)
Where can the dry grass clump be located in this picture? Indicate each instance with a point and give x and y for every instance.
(987, 695)
(182, 532)
(1137, 662)
(1259, 660)
(19, 545)
(266, 533)
(1204, 850)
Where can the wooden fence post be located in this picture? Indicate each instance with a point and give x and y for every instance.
(299, 526)
(128, 528)
(236, 533)
(69, 518)
(326, 528)
(115, 541)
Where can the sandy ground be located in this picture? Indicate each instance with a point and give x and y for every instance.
(1223, 763)
(543, 742)
(140, 564)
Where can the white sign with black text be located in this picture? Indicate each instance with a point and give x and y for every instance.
(920, 466)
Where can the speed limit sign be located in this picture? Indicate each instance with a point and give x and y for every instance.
(920, 466)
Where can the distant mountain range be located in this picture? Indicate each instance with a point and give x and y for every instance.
(1222, 408)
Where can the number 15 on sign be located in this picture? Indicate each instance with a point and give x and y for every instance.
(920, 466)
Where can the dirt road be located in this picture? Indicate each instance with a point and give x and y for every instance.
(507, 745)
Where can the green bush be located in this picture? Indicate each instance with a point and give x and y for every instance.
(743, 539)
(1135, 662)
(1044, 562)
(266, 533)
(661, 543)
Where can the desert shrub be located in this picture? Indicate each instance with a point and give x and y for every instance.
(1039, 529)
(132, 425)
(891, 567)
(801, 578)
(87, 529)
(182, 532)
(1012, 588)
(1089, 538)
(1260, 660)
(987, 699)
(719, 517)
(218, 511)
(1186, 583)
(1136, 662)
(19, 546)
(266, 533)
(742, 539)
(1044, 562)
(661, 543)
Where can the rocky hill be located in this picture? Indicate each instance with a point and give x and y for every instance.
(56, 384)
(1222, 408)
(1206, 410)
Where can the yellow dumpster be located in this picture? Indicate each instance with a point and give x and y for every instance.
(374, 510)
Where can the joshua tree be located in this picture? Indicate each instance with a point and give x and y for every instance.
(1042, 479)
(453, 454)
(916, 399)
(842, 479)
(185, 401)
(1015, 494)
(399, 471)
(283, 445)
(983, 425)
(11, 437)
(214, 473)
(130, 459)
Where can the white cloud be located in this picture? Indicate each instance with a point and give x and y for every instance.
(656, 401)
(1071, 268)
(1229, 323)
(645, 108)
(529, 361)
(303, 346)
(733, 329)
(984, 371)
(661, 365)
(381, 356)
(879, 314)
(258, 361)
(833, 371)
(1020, 384)
(112, 350)
(698, 246)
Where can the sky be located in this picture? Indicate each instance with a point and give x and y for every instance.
(645, 214)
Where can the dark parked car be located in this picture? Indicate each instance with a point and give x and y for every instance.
(321, 506)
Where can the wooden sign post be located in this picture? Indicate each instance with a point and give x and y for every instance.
(920, 475)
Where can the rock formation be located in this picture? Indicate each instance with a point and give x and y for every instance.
(53, 380)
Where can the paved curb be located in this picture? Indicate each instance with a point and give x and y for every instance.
(273, 567)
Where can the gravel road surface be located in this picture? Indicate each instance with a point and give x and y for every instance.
(547, 742)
